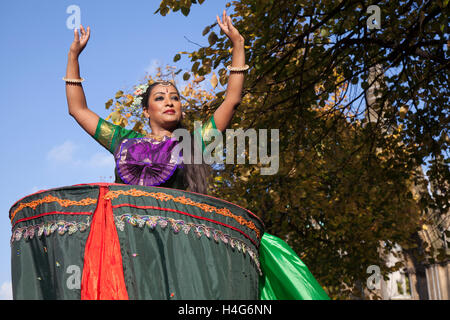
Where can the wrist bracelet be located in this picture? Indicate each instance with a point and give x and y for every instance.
(73, 80)
(238, 69)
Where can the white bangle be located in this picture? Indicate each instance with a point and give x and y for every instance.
(73, 80)
(238, 69)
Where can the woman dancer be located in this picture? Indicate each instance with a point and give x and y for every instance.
(122, 261)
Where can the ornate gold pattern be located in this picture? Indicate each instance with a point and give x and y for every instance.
(49, 198)
(105, 134)
(187, 201)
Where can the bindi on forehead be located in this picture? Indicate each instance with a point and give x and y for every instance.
(162, 89)
(160, 92)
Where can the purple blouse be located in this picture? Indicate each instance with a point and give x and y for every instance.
(146, 161)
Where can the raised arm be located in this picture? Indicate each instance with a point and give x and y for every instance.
(76, 100)
(233, 95)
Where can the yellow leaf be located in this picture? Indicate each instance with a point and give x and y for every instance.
(138, 127)
(108, 104)
(115, 117)
(119, 94)
(403, 111)
(123, 122)
(214, 80)
(199, 79)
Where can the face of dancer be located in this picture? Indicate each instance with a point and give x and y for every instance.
(164, 107)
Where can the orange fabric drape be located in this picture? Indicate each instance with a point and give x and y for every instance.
(103, 277)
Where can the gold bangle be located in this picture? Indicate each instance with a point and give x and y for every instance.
(73, 80)
(238, 69)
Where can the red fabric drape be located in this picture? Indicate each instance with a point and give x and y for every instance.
(103, 277)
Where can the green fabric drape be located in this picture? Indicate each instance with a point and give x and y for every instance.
(173, 244)
(286, 277)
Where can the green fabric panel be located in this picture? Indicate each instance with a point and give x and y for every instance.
(161, 262)
(50, 265)
(286, 277)
(171, 248)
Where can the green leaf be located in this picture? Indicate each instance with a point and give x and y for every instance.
(164, 11)
(324, 33)
(195, 66)
(212, 39)
(177, 57)
(206, 31)
(364, 85)
(223, 79)
(186, 76)
(185, 11)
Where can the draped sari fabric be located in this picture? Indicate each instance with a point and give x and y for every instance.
(286, 277)
(103, 278)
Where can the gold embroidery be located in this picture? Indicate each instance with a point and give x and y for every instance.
(49, 198)
(166, 197)
(106, 134)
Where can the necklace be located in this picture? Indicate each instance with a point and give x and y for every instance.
(158, 138)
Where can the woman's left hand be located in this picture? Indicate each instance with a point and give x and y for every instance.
(227, 27)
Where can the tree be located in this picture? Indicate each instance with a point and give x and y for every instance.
(343, 190)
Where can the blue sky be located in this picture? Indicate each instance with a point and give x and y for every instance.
(44, 147)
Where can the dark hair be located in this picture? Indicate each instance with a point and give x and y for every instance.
(196, 176)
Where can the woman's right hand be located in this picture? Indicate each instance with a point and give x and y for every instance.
(79, 43)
